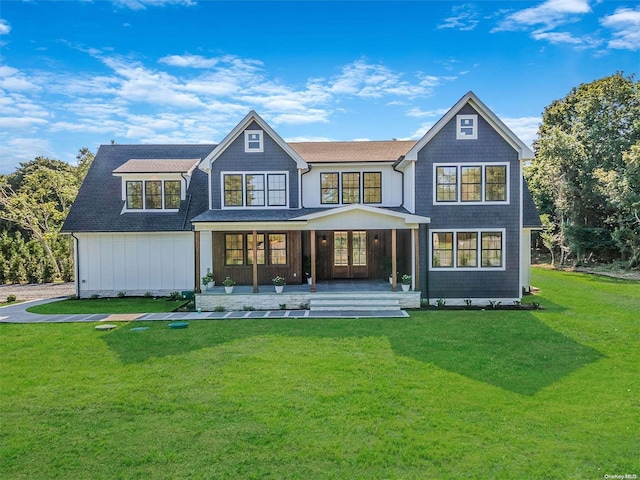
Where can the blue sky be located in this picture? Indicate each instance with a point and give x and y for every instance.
(83, 73)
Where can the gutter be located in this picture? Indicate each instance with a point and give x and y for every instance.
(188, 199)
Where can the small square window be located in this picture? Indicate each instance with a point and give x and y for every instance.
(253, 141)
(467, 127)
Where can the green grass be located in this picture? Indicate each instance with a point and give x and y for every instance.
(107, 305)
(550, 393)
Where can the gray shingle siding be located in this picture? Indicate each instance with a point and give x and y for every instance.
(489, 147)
(234, 158)
(99, 203)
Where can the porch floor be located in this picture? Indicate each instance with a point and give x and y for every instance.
(323, 286)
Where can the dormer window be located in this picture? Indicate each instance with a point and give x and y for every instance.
(253, 141)
(153, 194)
(467, 127)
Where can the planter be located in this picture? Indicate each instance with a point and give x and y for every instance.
(228, 289)
(279, 288)
(308, 280)
(391, 280)
(210, 285)
(406, 288)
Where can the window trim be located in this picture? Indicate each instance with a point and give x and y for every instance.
(337, 189)
(144, 208)
(340, 186)
(247, 141)
(478, 232)
(459, 127)
(458, 166)
(247, 253)
(244, 174)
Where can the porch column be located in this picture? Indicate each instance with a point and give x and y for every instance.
(254, 255)
(196, 248)
(312, 233)
(415, 239)
(394, 261)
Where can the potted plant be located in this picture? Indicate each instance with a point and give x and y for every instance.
(228, 285)
(279, 283)
(306, 265)
(406, 282)
(208, 280)
(387, 268)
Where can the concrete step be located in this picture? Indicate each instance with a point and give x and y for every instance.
(351, 303)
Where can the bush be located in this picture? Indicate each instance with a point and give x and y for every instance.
(11, 298)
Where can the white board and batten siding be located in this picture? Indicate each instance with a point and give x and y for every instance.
(135, 263)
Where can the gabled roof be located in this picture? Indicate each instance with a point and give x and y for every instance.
(358, 207)
(524, 152)
(252, 116)
(157, 165)
(338, 152)
(530, 214)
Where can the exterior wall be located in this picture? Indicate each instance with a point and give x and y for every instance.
(489, 147)
(136, 263)
(525, 260)
(234, 158)
(410, 187)
(391, 183)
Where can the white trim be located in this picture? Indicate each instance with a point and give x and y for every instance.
(244, 189)
(479, 267)
(407, 217)
(458, 166)
(247, 141)
(524, 152)
(252, 116)
(459, 127)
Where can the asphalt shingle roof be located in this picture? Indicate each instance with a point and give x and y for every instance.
(169, 165)
(99, 203)
(530, 215)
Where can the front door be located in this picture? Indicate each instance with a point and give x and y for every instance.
(350, 254)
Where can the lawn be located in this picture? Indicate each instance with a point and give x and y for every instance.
(549, 393)
(108, 305)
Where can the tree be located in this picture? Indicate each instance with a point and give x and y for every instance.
(37, 198)
(582, 141)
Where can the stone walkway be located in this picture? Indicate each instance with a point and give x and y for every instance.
(17, 313)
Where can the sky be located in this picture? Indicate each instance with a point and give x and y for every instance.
(80, 73)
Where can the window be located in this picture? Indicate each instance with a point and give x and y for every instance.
(467, 127)
(372, 187)
(172, 194)
(233, 249)
(496, 185)
(447, 184)
(259, 249)
(329, 188)
(277, 249)
(253, 141)
(277, 186)
(492, 249)
(254, 189)
(443, 249)
(471, 184)
(153, 194)
(467, 249)
(238, 249)
(134, 195)
(463, 183)
(351, 188)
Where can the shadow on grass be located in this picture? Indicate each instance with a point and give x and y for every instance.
(511, 350)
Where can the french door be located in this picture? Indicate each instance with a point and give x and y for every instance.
(350, 254)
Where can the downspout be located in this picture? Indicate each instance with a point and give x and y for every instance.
(300, 187)
(401, 173)
(187, 198)
(76, 257)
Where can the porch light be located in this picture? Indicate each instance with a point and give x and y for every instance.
(324, 239)
(375, 238)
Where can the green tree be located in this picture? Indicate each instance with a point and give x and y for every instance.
(37, 198)
(582, 142)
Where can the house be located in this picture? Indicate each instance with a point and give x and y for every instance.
(452, 210)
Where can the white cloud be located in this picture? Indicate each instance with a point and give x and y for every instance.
(12, 79)
(5, 28)
(143, 4)
(417, 113)
(549, 14)
(302, 138)
(189, 61)
(625, 23)
(16, 150)
(525, 128)
(463, 17)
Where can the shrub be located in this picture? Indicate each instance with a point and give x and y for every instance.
(248, 308)
(219, 308)
(148, 294)
(11, 298)
(175, 296)
(122, 294)
(94, 296)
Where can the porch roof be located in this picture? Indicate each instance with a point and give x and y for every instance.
(347, 217)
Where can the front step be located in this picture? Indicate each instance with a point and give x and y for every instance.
(355, 302)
